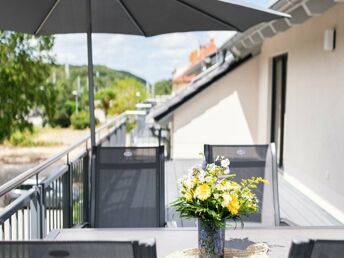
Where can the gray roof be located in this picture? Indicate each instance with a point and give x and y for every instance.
(161, 112)
(251, 40)
(242, 46)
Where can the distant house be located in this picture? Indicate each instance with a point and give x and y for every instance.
(285, 84)
(199, 59)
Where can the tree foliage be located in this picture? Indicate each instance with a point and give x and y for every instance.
(104, 78)
(24, 69)
(105, 97)
(128, 92)
(163, 87)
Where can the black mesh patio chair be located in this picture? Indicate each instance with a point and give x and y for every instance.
(253, 160)
(317, 249)
(129, 188)
(77, 249)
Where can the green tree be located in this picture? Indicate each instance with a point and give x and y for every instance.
(163, 87)
(128, 93)
(65, 104)
(24, 68)
(105, 97)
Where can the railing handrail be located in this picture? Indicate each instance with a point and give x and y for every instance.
(18, 180)
(9, 210)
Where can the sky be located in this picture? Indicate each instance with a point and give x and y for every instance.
(152, 59)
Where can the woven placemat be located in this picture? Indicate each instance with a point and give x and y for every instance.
(257, 250)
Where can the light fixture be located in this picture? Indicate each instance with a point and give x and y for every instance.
(330, 39)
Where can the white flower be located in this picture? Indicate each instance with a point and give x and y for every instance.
(227, 171)
(226, 199)
(208, 179)
(190, 174)
(225, 163)
(189, 183)
(211, 167)
(182, 180)
(220, 187)
(202, 175)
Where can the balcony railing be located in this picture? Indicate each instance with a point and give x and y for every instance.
(60, 196)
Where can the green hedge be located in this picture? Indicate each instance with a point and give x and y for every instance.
(81, 120)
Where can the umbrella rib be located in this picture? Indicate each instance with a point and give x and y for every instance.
(227, 24)
(46, 17)
(132, 18)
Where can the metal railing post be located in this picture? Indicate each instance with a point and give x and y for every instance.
(35, 216)
(124, 134)
(86, 187)
(42, 214)
(92, 176)
(66, 198)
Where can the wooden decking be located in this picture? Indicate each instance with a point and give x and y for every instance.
(294, 206)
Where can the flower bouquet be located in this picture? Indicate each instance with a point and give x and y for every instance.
(210, 193)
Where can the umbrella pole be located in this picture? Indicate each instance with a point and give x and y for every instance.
(91, 91)
(92, 129)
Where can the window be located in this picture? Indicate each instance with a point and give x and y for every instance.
(279, 83)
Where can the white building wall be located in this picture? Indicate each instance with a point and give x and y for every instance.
(314, 122)
(224, 113)
(237, 109)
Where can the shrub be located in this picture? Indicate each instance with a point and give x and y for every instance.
(130, 125)
(27, 138)
(80, 120)
(21, 138)
(62, 120)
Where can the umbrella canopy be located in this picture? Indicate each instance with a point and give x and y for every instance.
(136, 17)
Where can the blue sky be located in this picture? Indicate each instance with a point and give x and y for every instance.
(151, 58)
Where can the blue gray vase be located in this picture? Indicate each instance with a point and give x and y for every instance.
(211, 240)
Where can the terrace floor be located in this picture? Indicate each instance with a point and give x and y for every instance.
(294, 206)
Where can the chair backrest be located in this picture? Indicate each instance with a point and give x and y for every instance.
(253, 160)
(129, 187)
(300, 248)
(77, 249)
(317, 249)
(328, 249)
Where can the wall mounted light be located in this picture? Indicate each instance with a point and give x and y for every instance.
(330, 39)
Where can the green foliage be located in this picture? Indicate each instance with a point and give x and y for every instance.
(105, 97)
(130, 125)
(128, 93)
(163, 87)
(76, 212)
(80, 120)
(63, 113)
(104, 78)
(26, 138)
(21, 138)
(24, 69)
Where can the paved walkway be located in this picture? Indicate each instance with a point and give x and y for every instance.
(294, 206)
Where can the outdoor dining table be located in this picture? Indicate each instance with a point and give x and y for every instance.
(170, 240)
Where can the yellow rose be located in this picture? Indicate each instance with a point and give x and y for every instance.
(233, 205)
(202, 192)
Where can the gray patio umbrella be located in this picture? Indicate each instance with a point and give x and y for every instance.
(135, 17)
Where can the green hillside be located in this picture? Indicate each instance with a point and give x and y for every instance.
(103, 76)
